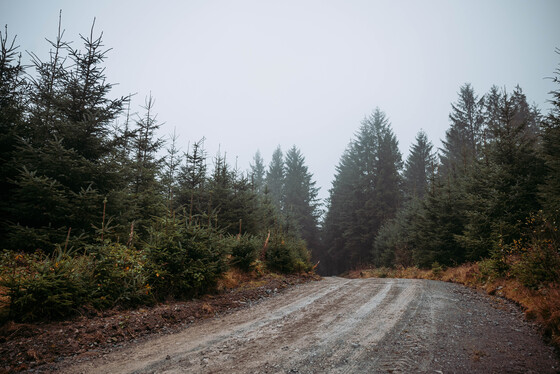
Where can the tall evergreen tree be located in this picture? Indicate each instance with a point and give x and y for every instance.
(501, 189)
(300, 198)
(439, 221)
(550, 190)
(87, 110)
(361, 231)
(463, 139)
(258, 173)
(444, 211)
(64, 159)
(12, 94)
(232, 204)
(419, 167)
(388, 182)
(145, 187)
(366, 192)
(46, 93)
(341, 205)
(275, 178)
(170, 174)
(192, 193)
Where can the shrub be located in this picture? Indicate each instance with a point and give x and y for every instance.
(118, 276)
(538, 265)
(492, 268)
(538, 258)
(183, 261)
(244, 252)
(437, 269)
(45, 287)
(287, 255)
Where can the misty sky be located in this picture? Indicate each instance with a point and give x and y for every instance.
(252, 75)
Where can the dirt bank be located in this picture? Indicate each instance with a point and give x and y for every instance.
(35, 347)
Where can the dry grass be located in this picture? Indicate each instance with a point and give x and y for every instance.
(238, 279)
(233, 278)
(541, 305)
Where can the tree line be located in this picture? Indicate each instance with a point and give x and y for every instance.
(481, 195)
(72, 155)
(98, 208)
(88, 183)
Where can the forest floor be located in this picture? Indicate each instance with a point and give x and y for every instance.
(28, 347)
(339, 325)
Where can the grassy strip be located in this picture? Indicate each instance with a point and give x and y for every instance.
(541, 305)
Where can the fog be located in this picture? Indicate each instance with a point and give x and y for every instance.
(251, 75)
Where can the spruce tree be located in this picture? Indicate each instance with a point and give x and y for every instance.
(463, 139)
(65, 154)
(192, 179)
(300, 199)
(275, 178)
(12, 109)
(388, 182)
(146, 191)
(550, 190)
(395, 241)
(169, 178)
(232, 203)
(87, 110)
(438, 222)
(501, 188)
(258, 173)
(419, 167)
(340, 215)
(366, 192)
(361, 231)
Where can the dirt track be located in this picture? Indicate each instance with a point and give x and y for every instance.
(348, 326)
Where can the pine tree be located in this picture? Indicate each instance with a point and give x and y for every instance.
(145, 187)
(361, 230)
(275, 178)
(463, 139)
(258, 173)
(87, 110)
(501, 189)
(366, 192)
(232, 202)
(388, 183)
(46, 93)
(419, 167)
(341, 206)
(65, 154)
(300, 199)
(12, 94)
(192, 178)
(435, 227)
(220, 194)
(550, 190)
(394, 243)
(169, 179)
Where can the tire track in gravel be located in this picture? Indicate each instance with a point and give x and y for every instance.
(411, 338)
(347, 326)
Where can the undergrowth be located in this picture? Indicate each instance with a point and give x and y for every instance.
(178, 261)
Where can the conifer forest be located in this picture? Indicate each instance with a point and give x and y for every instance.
(99, 208)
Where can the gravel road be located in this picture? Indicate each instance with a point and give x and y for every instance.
(348, 326)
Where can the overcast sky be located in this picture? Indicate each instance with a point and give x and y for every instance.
(251, 75)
